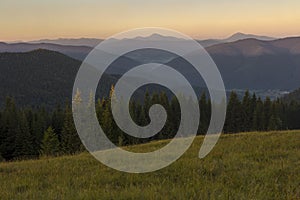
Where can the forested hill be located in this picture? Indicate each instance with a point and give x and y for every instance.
(39, 77)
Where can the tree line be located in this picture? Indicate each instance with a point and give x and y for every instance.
(33, 132)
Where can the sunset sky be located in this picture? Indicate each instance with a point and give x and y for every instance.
(37, 19)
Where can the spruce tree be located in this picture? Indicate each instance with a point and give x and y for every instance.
(258, 116)
(234, 121)
(204, 114)
(175, 115)
(267, 112)
(147, 104)
(50, 144)
(166, 132)
(57, 120)
(10, 129)
(247, 112)
(24, 141)
(70, 140)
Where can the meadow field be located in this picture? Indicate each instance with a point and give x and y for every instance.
(257, 165)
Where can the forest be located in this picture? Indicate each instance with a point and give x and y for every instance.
(31, 132)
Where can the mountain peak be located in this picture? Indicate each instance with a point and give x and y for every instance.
(158, 37)
(239, 34)
(242, 36)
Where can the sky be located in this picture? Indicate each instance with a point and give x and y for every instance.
(39, 19)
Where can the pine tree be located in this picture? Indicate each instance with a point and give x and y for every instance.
(253, 107)
(175, 115)
(57, 120)
(275, 122)
(107, 122)
(247, 112)
(50, 144)
(258, 116)
(233, 123)
(10, 129)
(24, 141)
(166, 132)
(147, 104)
(70, 141)
(267, 112)
(204, 114)
(40, 122)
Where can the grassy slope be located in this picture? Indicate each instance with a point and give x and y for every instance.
(242, 166)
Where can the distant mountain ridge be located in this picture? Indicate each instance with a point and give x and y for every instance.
(256, 64)
(233, 38)
(92, 42)
(244, 64)
(77, 52)
(254, 47)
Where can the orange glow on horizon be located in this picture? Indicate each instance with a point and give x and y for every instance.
(32, 19)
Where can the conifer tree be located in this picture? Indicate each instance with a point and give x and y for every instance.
(233, 121)
(57, 120)
(24, 141)
(258, 116)
(247, 112)
(267, 112)
(166, 132)
(175, 115)
(147, 104)
(204, 114)
(71, 142)
(50, 144)
(10, 129)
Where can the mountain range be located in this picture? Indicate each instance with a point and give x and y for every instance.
(92, 42)
(233, 38)
(257, 63)
(80, 48)
(89, 42)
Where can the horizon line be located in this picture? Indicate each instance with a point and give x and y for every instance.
(103, 38)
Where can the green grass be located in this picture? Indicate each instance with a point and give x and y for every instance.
(241, 166)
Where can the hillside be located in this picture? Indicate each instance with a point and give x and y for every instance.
(241, 166)
(255, 47)
(256, 64)
(39, 77)
(77, 52)
(244, 64)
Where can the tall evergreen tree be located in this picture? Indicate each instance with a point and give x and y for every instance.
(247, 112)
(147, 104)
(10, 129)
(50, 144)
(204, 114)
(267, 112)
(175, 115)
(57, 120)
(234, 119)
(258, 116)
(70, 140)
(24, 141)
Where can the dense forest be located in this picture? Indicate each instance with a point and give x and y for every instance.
(33, 132)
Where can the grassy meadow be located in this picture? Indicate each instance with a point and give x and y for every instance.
(241, 166)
